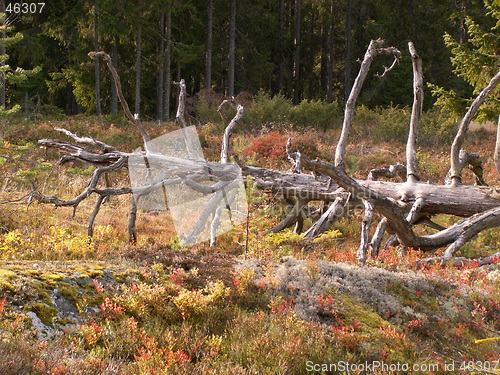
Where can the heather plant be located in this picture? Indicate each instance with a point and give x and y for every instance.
(269, 147)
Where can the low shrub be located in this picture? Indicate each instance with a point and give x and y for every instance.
(317, 114)
(266, 110)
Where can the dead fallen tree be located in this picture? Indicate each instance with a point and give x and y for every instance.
(401, 206)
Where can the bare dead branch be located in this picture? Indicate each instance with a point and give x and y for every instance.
(218, 212)
(416, 113)
(455, 171)
(97, 207)
(377, 238)
(365, 231)
(226, 141)
(456, 235)
(397, 57)
(132, 218)
(473, 161)
(292, 216)
(336, 210)
(87, 140)
(372, 51)
(145, 136)
(181, 107)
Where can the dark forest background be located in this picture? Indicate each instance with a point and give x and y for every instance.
(300, 49)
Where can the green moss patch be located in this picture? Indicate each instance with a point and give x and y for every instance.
(44, 312)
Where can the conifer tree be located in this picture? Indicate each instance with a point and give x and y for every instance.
(476, 60)
(8, 75)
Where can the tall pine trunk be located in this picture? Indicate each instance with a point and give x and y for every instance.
(348, 50)
(167, 78)
(137, 106)
(208, 66)
(281, 64)
(113, 102)
(296, 54)
(97, 87)
(324, 52)
(232, 49)
(331, 56)
(161, 67)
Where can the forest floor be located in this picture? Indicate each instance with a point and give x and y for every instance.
(255, 304)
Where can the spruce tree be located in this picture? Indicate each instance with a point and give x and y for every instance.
(8, 75)
(476, 60)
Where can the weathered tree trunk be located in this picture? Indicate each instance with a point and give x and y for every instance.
(126, 109)
(224, 155)
(374, 49)
(416, 113)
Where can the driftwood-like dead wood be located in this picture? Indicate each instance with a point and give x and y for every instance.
(473, 161)
(416, 114)
(391, 171)
(226, 140)
(401, 206)
(455, 170)
(133, 119)
(226, 143)
(374, 49)
(88, 140)
(454, 236)
(366, 223)
(334, 212)
(377, 238)
(180, 116)
(463, 200)
(291, 217)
